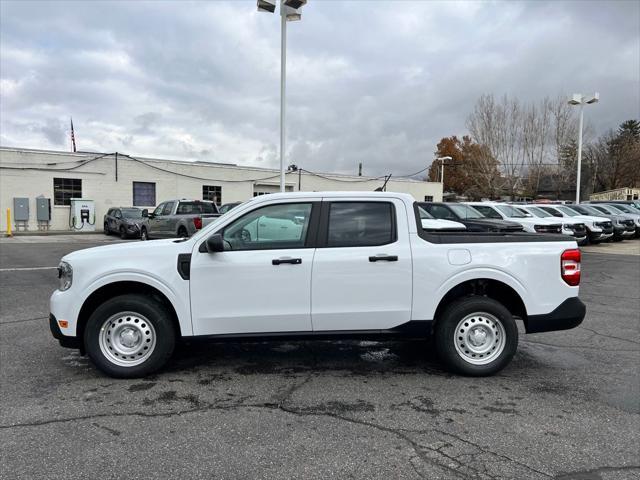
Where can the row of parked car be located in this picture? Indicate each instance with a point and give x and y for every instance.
(591, 222)
(170, 219)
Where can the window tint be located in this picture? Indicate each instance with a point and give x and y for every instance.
(465, 211)
(271, 227)
(158, 210)
(168, 208)
(360, 224)
(132, 213)
(144, 194)
(441, 212)
(189, 208)
(64, 189)
(488, 212)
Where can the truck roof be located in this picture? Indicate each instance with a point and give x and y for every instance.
(276, 196)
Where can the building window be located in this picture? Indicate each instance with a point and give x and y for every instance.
(64, 189)
(144, 194)
(428, 198)
(212, 193)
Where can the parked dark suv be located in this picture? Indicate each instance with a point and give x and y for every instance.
(469, 217)
(127, 222)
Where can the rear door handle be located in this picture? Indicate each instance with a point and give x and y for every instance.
(292, 261)
(383, 258)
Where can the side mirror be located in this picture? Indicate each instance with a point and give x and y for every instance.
(145, 213)
(215, 243)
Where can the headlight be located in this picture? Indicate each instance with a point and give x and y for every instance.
(65, 276)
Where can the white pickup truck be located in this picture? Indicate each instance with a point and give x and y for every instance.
(317, 265)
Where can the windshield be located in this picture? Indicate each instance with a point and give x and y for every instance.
(568, 211)
(605, 210)
(620, 208)
(465, 211)
(132, 213)
(538, 212)
(424, 214)
(585, 210)
(509, 211)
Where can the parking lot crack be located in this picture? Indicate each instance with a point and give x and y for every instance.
(609, 336)
(22, 320)
(499, 455)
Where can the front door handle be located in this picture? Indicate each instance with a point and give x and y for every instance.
(292, 261)
(383, 258)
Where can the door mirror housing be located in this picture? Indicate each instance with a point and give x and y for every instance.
(215, 243)
(145, 213)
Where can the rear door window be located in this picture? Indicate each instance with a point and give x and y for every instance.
(360, 224)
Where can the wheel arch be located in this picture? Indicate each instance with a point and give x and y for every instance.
(485, 287)
(113, 289)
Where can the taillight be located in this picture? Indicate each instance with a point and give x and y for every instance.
(197, 222)
(570, 267)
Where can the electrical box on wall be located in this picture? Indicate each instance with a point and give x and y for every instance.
(82, 215)
(21, 209)
(43, 209)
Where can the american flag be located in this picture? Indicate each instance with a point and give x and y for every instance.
(73, 137)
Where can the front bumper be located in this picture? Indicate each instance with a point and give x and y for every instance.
(64, 340)
(568, 314)
(599, 236)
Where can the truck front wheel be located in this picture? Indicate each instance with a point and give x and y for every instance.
(129, 336)
(476, 336)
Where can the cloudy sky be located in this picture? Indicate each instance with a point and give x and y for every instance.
(378, 82)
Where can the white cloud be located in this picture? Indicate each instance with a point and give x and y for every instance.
(368, 81)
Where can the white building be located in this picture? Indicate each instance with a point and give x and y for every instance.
(119, 180)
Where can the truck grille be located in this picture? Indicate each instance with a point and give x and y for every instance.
(607, 227)
(629, 224)
(578, 229)
(555, 228)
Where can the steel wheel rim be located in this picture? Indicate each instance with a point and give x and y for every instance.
(127, 339)
(480, 338)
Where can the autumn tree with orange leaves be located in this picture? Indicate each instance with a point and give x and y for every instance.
(473, 171)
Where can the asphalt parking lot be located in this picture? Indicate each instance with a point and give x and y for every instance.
(568, 406)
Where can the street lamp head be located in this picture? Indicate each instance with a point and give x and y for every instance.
(593, 99)
(442, 159)
(267, 6)
(295, 3)
(575, 99)
(291, 14)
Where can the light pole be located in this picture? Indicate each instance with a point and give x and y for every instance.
(579, 99)
(289, 12)
(442, 159)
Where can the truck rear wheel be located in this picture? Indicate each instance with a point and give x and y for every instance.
(129, 336)
(476, 336)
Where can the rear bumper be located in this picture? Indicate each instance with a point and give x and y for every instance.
(64, 340)
(568, 314)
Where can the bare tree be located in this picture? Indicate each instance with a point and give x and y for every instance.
(498, 125)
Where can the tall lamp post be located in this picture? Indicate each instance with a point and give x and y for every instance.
(582, 100)
(442, 159)
(289, 12)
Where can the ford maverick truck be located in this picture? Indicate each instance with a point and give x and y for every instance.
(318, 265)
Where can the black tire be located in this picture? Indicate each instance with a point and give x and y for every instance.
(182, 232)
(106, 229)
(144, 235)
(448, 337)
(150, 311)
(123, 233)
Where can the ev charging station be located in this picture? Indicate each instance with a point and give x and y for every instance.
(82, 215)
